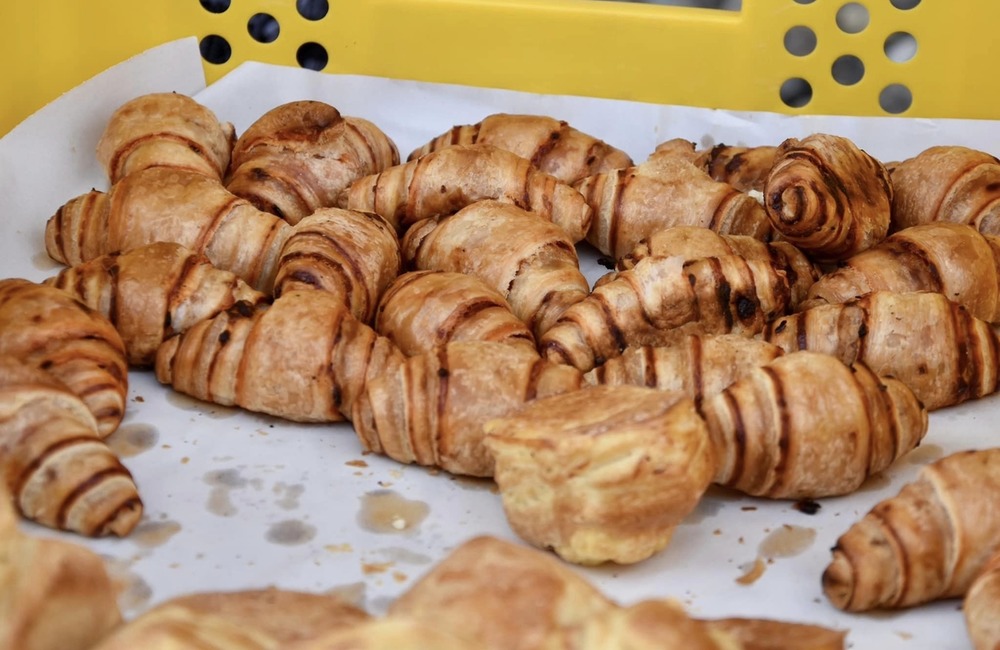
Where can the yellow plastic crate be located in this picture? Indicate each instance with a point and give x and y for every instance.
(703, 57)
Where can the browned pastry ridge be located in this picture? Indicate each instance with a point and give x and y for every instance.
(745, 168)
(771, 634)
(47, 328)
(633, 203)
(304, 358)
(299, 156)
(948, 183)
(952, 259)
(981, 606)
(165, 130)
(807, 425)
(531, 262)
(930, 541)
(153, 292)
(935, 346)
(443, 182)
(828, 197)
(552, 145)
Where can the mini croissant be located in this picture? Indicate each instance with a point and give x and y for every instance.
(552, 145)
(929, 541)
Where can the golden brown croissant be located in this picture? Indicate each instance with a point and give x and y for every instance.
(828, 197)
(745, 168)
(422, 310)
(153, 292)
(165, 130)
(632, 203)
(807, 425)
(163, 204)
(502, 596)
(943, 353)
(601, 474)
(981, 606)
(692, 242)
(354, 255)
(929, 541)
(552, 145)
(53, 462)
(648, 303)
(698, 366)
(304, 358)
(47, 328)
(531, 262)
(431, 409)
(389, 632)
(947, 183)
(299, 156)
(771, 634)
(649, 625)
(443, 182)
(952, 259)
(55, 596)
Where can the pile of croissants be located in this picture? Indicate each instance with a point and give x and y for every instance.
(777, 320)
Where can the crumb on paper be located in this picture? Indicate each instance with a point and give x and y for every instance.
(906, 636)
(385, 484)
(748, 508)
(138, 398)
(399, 576)
(185, 460)
(751, 573)
(356, 463)
(369, 568)
(339, 548)
(396, 474)
(717, 531)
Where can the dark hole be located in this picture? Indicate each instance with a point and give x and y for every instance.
(848, 70)
(312, 56)
(312, 9)
(264, 28)
(895, 99)
(215, 49)
(796, 92)
(905, 4)
(216, 6)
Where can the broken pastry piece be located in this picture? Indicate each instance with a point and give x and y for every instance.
(422, 310)
(947, 183)
(552, 145)
(930, 541)
(502, 596)
(981, 606)
(165, 130)
(602, 474)
(807, 425)
(828, 197)
(299, 156)
(443, 182)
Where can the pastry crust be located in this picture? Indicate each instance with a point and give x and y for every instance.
(981, 606)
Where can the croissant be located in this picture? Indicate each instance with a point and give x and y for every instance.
(395, 632)
(46, 328)
(745, 168)
(632, 203)
(828, 197)
(605, 473)
(422, 310)
(943, 353)
(304, 358)
(552, 145)
(163, 204)
(431, 409)
(299, 156)
(165, 130)
(531, 262)
(699, 366)
(56, 595)
(443, 182)
(769, 634)
(952, 259)
(947, 183)
(502, 596)
(354, 255)
(981, 606)
(52, 460)
(646, 304)
(807, 425)
(692, 242)
(930, 541)
(649, 625)
(172, 627)
(152, 292)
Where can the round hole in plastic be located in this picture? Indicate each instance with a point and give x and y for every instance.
(848, 70)
(312, 56)
(900, 47)
(800, 40)
(312, 9)
(264, 28)
(216, 6)
(852, 18)
(804, 2)
(905, 4)
(215, 49)
(796, 92)
(895, 99)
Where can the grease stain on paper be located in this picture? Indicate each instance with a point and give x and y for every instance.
(132, 439)
(290, 532)
(387, 511)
